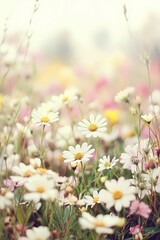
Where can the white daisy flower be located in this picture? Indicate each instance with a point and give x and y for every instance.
(78, 153)
(5, 198)
(51, 106)
(40, 187)
(147, 118)
(119, 193)
(23, 171)
(37, 233)
(142, 186)
(101, 223)
(41, 116)
(152, 179)
(91, 201)
(95, 126)
(124, 94)
(68, 96)
(132, 158)
(106, 163)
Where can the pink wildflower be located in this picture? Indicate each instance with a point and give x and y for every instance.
(11, 185)
(136, 231)
(140, 208)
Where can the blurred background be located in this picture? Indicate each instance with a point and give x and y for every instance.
(79, 42)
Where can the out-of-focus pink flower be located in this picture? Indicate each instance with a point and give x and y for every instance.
(142, 90)
(54, 88)
(140, 208)
(110, 104)
(102, 82)
(25, 112)
(136, 231)
(11, 185)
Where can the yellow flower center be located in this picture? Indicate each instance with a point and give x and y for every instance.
(64, 98)
(95, 200)
(40, 189)
(117, 195)
(92, 127)
(99, 223)
(27, 173)
(45, 119)
(78, 156)
(41, 170)
(107, 164)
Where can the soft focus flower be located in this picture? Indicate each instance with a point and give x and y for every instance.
(154, 98)
(37, 233)
(23, 172)
(68, 96)
(124, 94)
(41, 116)
(11, 185)
(119, 193)
(140, 208)
(95, 126)
(106, 163)
(6, 198)
(91, 201)
(136, 232)
(78, 153)
(112, 115)
(51, 106)
(101, 223)
(40, 187)
(132, 158)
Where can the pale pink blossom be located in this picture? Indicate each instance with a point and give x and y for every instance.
(140, 208)
(136, 231)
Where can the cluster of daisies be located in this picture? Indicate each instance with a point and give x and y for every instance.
(71, 172)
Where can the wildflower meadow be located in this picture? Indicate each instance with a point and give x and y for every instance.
(78, 161)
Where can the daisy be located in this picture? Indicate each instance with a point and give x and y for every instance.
(106, 163)
(78, 153)
(95, 126)
(142, 186)
(152, 179)
(40, 187)
(51, 106)
(68, 96)
(41, 116)
(132, 158)
(123, 95)
(5, 198)
(23, 172)
(37, 233)
(91, 201)
(101, 223)
(119, 193)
